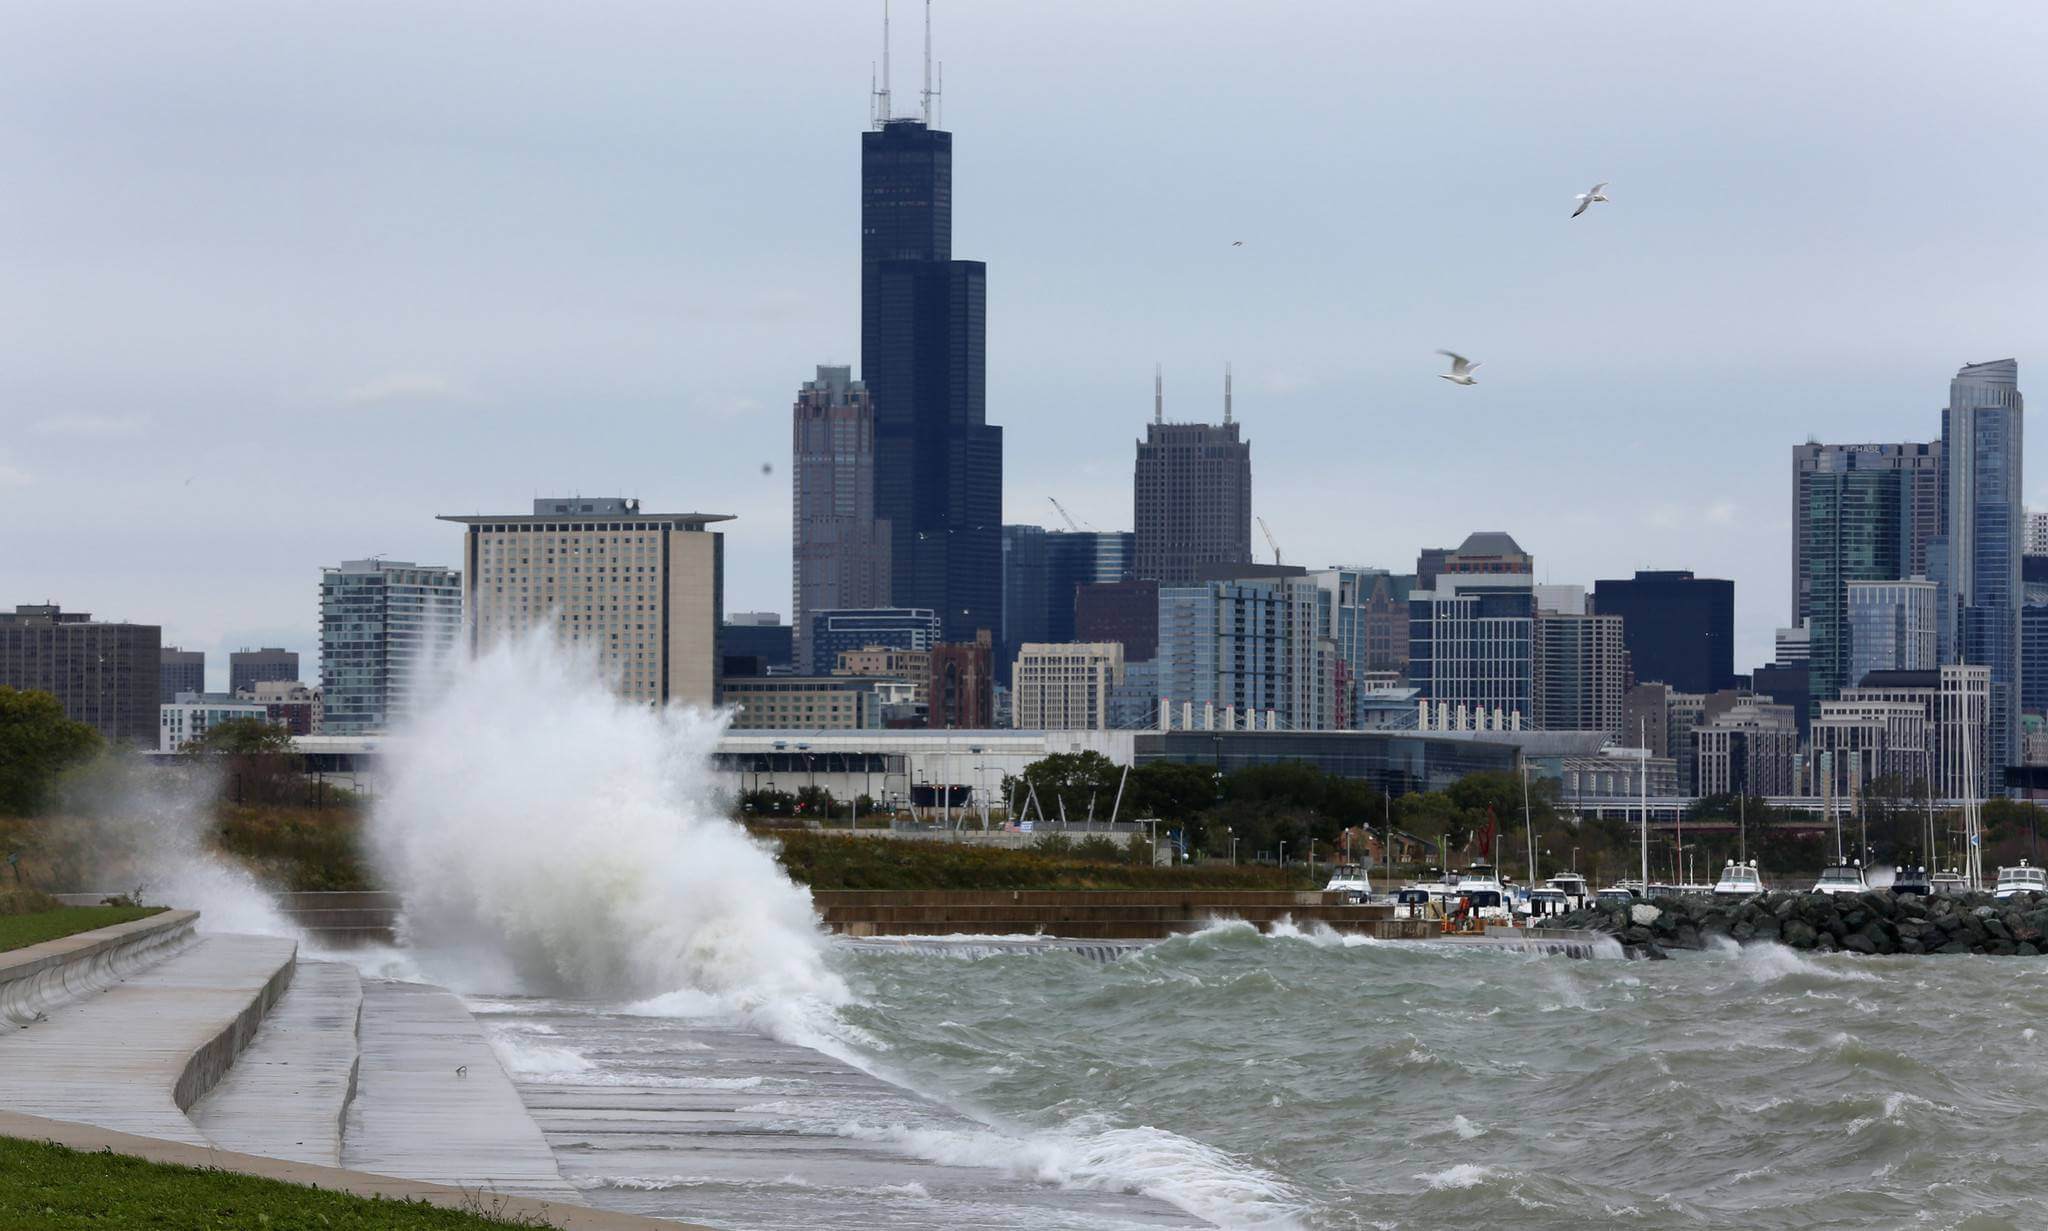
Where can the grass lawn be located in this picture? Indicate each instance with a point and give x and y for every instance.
(17, 931)
(49, 1187)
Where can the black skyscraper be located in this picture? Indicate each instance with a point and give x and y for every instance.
(1679, 629)
(938, 463)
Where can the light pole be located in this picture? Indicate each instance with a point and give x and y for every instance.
(1575, 859)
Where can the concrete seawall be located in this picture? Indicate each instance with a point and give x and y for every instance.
(1108, 914)
(39, 978)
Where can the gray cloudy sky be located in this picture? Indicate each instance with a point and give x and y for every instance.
(281, 281)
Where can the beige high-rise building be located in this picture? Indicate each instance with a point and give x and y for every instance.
(646, 591)
(1065, 686)
(888, 663)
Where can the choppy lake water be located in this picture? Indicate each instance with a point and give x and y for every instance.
(1302, 1081)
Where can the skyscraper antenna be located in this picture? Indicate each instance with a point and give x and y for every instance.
(1158, 393)
(882, 95)
(939, 98)
(1226, 390)
(925, 96)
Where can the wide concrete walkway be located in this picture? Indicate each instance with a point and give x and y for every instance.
(520, 1211)
(287, 1093)
(687, 1120)
(133, 1057)
(432, 1102)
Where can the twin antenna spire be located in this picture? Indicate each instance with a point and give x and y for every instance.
(929, 96)
(1159, 392)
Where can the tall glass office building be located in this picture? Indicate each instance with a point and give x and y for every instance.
(387, 628)
(1891, 627)
(1852, 534)
(1984, 522)
(938, 462)
(1042, 569)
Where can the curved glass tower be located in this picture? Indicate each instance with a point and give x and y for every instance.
(1984, 523)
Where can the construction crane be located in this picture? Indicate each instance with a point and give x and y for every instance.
(1270, 540)
(1071, 523)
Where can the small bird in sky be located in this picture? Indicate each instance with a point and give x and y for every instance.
(462, 1070)
(1586, 199)
(1237, 243)
(767, 467)
(1461, 369)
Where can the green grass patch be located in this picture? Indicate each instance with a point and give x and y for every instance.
(56, 1189)
(298, 849)
(20, 931)
(836, 861)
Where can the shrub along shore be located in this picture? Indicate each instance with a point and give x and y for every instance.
(1872, 923)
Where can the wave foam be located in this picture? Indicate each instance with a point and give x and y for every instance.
(549, 836)
(1200, 1179)
(1463, 1175)
(1768, 962)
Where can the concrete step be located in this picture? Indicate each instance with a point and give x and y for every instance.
(287, 1093)
(134, 1057)
(432, 1102)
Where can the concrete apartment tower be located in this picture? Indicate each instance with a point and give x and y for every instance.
(645, 591)
(183, 671)
(840, 551)
(104, 675)
(1066, 687)
(387, 628)
(248, 668)
(1191, 494)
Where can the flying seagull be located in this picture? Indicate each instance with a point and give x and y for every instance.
(1237, 243)
(1461, 369)
(1586, 199)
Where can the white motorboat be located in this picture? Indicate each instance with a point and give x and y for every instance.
(1739, 880)
(1350, 879)
(1573, 887)
(1911, 879)
(1842, 878)
(1415, 902)
(1479, 888)
(2025, 878)
(1547, 903)
(1619, 894)
(1949, 884)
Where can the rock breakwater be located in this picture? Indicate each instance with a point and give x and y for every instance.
(1873, 923)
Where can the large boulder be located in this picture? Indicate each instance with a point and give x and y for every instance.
(1800, 934)
(1859, 942)
(1642, 914)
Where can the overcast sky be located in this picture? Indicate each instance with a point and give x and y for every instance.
(279, 282)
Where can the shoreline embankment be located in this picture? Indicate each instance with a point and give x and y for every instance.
(1873, 923)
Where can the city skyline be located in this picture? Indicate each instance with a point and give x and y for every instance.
(540, 260)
